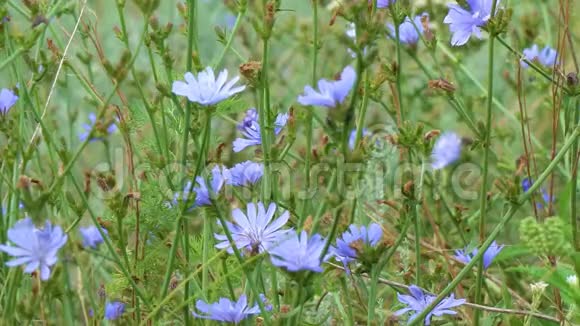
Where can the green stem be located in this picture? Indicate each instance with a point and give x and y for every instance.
(239, 19)
(372, 295)
(363, 111)
(207, 244)
(574, 187)
(399, 65)
(309, 115)
(264, 116)
(499, 227)
(191, 42)
(486, 150)
(345, 291)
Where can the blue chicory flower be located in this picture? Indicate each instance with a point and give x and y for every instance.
(296, 252)
(98, 125)
(36, 248)
(230, 20)
(226, 310)
(206, 90)
(255, 231)
(418, 301)
(384, 3)
(408, 34)
(91, 236)
(330, 93)
(547, 57)
(527, 183)
(7, 100)
(114, 310)
(491, 252)
(250, 128)
(447, 149)
(463, 23)
(345, 252)
(219, 177)
(352, 137)
(246, 173)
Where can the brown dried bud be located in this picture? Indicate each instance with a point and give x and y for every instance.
(154, 22)
(521, 164)
(572, 79)
(388, 242)
(269, 16)
(134, 195)
(39, 20)
(431, 134)
(251, 70)
(427, 32)
(308, 224)
(104, 224)
(23, 182)
(409, 188)
(460, 208)
(442, 84)
(285, 308)
(393, 139)
(325, 140)
(327, 219)
(53, 48)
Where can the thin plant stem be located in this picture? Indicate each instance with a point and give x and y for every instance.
(485, 172)
(191, 44)
(265, 125)
(309, 115)
(239, 19)
(372, 295)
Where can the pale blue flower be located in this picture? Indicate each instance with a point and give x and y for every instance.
(7, 100)
(250, 128)
(99, 128)
(344, 250)
(203, 194)
(114, 310)
(418, 301)
(384, 3)
(330, 93)
(527, 183)
(447, 149)
(36, 248)
(91, 236)
(547, 57)
(352, 137)
(488, 256)
(246, 173)
(206, 90)
(226, 310)
(254, 231)
(296, 252)
(407, 32)
(463, 23)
